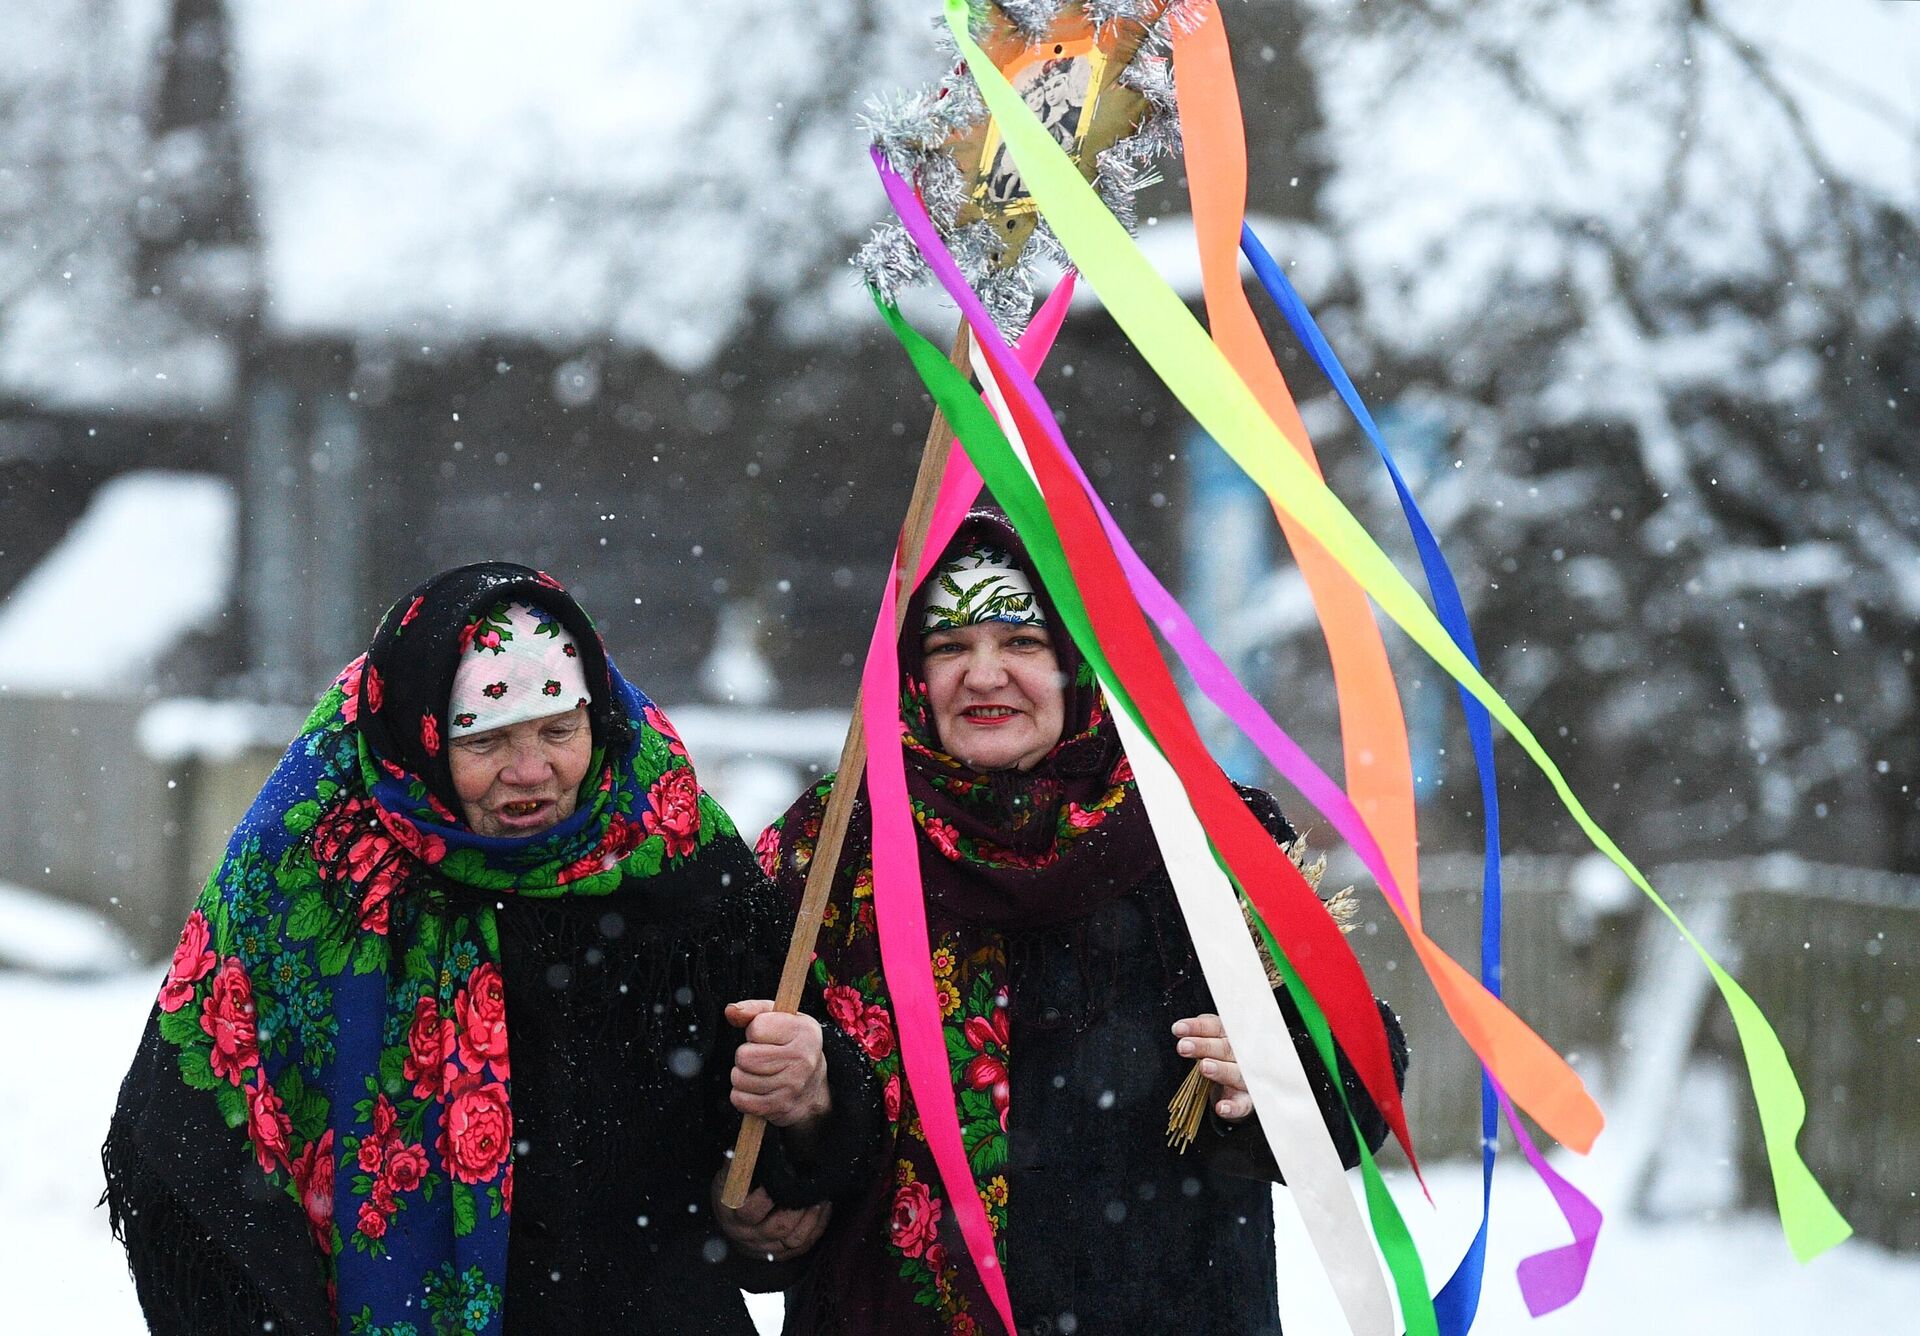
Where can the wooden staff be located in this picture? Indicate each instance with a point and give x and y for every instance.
(846, 780)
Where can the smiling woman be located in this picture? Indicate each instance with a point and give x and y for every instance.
(1072, 1004)
(995, 688)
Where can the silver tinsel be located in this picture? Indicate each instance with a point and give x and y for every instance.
(1008, 296)
(1185, 15)
(1104, 12)
(1152, 78)
(1045, 247)
(890, 261)
(1032, 18)
(912, 133)
(943, 188)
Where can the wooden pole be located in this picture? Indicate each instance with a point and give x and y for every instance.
(846, 780)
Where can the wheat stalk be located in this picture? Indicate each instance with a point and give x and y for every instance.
(1188, 1107)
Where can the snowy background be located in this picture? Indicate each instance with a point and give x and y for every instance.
(1632, 284)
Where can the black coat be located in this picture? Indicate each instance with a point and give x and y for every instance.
(1110, 1230)
(621, 1061)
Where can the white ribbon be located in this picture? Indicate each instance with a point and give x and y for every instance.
(1289, 1113)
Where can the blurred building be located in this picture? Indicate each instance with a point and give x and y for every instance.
(302, 307)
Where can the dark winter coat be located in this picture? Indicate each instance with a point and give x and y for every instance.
(621, 1061)
(1112, 1231)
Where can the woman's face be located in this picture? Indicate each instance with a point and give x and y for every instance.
(998, 699)
(524, 778)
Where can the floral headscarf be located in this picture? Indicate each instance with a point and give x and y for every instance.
(335, 999)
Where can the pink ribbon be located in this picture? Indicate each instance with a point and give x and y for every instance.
(899, 907)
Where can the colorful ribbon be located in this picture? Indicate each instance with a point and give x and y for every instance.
(1165, 332)
(1201, 660)
(1544, 1084)
(1550, 1279)
(1371, 720)
(899, 909)
(1373, 729)
(1290, 1116)
(1233, 969)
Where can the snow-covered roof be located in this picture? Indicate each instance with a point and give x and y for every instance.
(42, 935)
(645, 173)
(151, 560)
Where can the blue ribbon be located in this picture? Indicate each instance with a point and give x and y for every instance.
(1459, 1299)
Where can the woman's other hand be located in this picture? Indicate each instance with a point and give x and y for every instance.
(1205, 1038)
(761, 1230)
(779, 1071)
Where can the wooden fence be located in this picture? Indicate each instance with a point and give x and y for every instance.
(84, 815)
(1831, 954)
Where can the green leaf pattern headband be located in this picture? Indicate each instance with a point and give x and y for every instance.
(982, 584)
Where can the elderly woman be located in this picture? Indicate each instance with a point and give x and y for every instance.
(1074, 1006)
(482, 833)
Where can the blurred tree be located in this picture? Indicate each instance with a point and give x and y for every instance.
(1652, 266)
(68, 160)
(198, 239)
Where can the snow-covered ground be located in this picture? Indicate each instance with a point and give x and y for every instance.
(66, 1041)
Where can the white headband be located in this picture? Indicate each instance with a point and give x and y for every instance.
(516, 663)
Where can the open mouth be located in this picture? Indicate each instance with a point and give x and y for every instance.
(988, 714)
(520, 811)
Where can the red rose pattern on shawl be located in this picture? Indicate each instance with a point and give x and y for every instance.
(974, 1005)
(944, 836)
(349, 684)
(227, 1015)
(987, 1036)
(389, 1166)
(234, 996)
(481, 1009)
(352, 843)
(675, 814)
(430, 1044)
(313, 1182)
(476, 1129)
(423, 845)
(875, 1034)
(915, 1218)
(658, 723)
(267, 1124)
(193, 960)
(767, 850)
(406, 1168)
(372, 1222)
